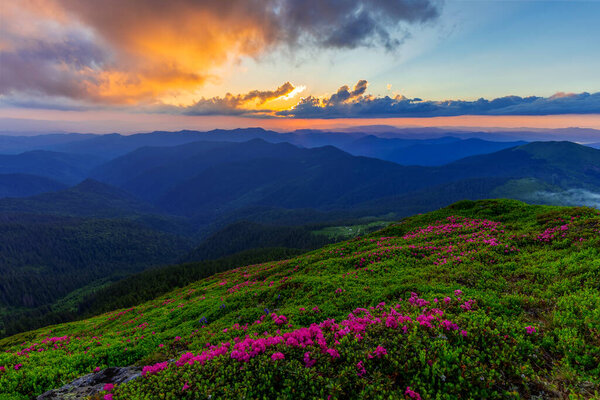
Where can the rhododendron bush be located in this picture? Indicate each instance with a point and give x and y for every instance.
(488, 299)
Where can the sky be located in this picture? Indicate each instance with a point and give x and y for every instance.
(137, 65)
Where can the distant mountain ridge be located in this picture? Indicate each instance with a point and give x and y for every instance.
(424, 152)
(110, 146)
(63, 167)
(23, 185)
(406, 146)
(207, 179)
(88, 198)
(117, 144)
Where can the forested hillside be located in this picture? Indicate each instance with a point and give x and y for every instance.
(245, 235)
(43, 258)
(131, 290)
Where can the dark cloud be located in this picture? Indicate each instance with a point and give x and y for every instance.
(325, 23)
(349, 24)
(355, 104)
(344, 94)
(63, 69)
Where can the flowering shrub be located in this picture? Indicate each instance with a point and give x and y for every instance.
(479, 300)
(154, 369)
(279, 319)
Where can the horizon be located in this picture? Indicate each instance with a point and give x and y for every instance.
(30, 127)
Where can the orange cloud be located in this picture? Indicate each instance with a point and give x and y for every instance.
(239, 104)
(167, 46)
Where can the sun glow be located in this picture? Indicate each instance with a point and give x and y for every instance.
(297, 90)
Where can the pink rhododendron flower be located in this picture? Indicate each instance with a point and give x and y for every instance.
(468, 305)
(380, 351)
(391, 322)
(277, 356)
(307, 360)
(530, 330)
(108, 396)
(18, 366)
(279, 319)
(360, 369)
(154, 369)
(333, 353)
(185, 387)
(108, 387)
(448, 325)
(412, 394)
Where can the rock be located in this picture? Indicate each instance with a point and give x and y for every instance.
(93, 383)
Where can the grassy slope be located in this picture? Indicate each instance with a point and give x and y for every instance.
(534, 266)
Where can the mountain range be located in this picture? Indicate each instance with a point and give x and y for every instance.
(194, 196)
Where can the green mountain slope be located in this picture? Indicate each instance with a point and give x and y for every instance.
(486, 299)
(564, 164)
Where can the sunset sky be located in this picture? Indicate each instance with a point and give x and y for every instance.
(113, 65)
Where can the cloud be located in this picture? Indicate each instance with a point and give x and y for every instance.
(356, 104)
(571, 197)
(135, 51)
(236, 104)
(47, 57)
(344, 94)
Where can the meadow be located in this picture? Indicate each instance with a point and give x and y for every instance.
(482, 299)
